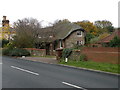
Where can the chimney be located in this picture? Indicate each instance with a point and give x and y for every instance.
(4, 17)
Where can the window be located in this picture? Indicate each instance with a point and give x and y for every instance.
(61, 44)
(79, 33)
(79, 42)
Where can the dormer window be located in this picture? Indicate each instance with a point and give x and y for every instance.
(79, 33)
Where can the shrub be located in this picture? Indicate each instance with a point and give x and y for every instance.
(15, 52)
(83, 57)
(75, 46)
(6, 51)
(66, 52)
(4, 42)
(115, 42)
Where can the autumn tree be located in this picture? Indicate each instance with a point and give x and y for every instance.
(26, 32)
(88, 26)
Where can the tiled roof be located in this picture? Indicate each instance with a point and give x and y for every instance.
(110, 37)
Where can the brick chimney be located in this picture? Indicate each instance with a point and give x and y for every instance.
(5, 22)
(4, 17)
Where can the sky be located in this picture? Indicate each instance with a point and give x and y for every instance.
(48, 11)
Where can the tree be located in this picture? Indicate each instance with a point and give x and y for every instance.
(88, 26)
(26, 33)
(94, 40)
(89, 36)
(104, 26)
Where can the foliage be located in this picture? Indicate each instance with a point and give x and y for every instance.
(103, 23)
(61, 22)
(26, 33)
(104, 26)
(4, 42)
(101, 36)
(94, 65)
(83, 57)
(15, 52)
(94, 40)
(115, 42)
(88, 26)
(6, 51)
(110, 28)
(76, 46)
(88, 37)
(9, 45)
(66, 52)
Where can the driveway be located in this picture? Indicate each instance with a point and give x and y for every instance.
(42, 59)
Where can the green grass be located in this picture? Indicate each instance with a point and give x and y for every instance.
(47, 56)
(94, 65)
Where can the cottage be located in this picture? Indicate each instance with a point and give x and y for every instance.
(64, 35)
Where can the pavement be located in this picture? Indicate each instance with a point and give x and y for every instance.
(18, 73)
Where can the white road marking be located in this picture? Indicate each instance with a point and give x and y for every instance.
(73, 85)
(25, 70)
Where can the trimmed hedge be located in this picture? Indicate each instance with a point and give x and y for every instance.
(15, 52)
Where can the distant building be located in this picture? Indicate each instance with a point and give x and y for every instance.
(107, 39)
(6, 32)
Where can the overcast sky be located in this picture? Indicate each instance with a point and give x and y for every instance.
(51, 10)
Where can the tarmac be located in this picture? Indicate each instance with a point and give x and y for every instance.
(55, 62)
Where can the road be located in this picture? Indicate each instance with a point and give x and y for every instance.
(17, 73)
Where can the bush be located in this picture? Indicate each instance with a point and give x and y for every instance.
(75, 46)
(16, 52)
(83, 57)
(6, 51)
(115, 42)
(4, 42)
(66, 52)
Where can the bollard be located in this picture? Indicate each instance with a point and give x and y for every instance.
(66, 60)
(23, 56)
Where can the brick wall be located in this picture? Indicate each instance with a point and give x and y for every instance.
(37, 52)
(102, 54)
(98, 54)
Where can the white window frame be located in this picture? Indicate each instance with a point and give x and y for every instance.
(79, 42)
(79, 33)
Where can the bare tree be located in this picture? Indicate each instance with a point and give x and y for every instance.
(26, 32)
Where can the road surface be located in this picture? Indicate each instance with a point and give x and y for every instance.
(17, 73)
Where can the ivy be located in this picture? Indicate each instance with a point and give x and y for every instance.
(66, 52)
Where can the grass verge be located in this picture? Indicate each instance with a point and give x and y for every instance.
(94, 65)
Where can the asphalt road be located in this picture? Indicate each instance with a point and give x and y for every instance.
(17, 73)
